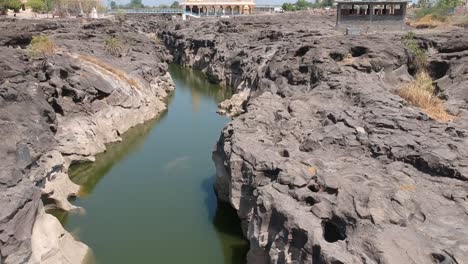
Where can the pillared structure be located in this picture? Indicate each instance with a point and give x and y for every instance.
(214, 7)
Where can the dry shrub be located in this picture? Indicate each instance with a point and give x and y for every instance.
(428, 21)
(113, 46)
(41, 46)
(420, 93)
(120, 74)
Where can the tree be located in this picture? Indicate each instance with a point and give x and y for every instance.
(288, 7)
(136, 4)
(14, 5)
(36, 5)
(175, 4)
(49, 5)
(424, 3)
(327, 2)
(302, 4)
(113, 5)
(448, 4)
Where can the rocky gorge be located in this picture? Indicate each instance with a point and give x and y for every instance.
(61, 109)
(324, 162)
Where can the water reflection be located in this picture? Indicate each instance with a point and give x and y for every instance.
(150, 198)
(199, 85)
(88, 174)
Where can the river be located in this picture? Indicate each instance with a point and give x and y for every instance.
(150, 198)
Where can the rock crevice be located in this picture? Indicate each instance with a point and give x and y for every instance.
(325, 163)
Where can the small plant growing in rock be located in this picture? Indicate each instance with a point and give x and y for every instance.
(113, 46)
(421, 91)
(41, 46)
(420, 57)
(120, 16)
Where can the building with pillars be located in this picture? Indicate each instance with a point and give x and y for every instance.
(381, 14)
(215, 7)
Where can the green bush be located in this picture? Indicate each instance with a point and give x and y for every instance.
(14, 5)
(288, 7)
(37, 5)
(439, 11)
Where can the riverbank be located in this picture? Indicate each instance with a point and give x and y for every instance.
(327, 163)
(144, 176)
(62, 109)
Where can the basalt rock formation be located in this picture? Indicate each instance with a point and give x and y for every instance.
(327, 164)
(60, 108)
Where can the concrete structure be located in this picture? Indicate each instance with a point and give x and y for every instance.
(266, 8)
(224, 7)
(378, 14)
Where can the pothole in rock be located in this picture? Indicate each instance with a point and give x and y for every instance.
(302, 51)
(333, 230)
(272, 174)
(336, 56)
(358, 51)
(22, 41)
(284, 153)
(438, 69)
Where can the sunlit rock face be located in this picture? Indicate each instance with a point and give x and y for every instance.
(326, 164)
(62, 108)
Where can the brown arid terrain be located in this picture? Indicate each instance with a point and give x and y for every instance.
(334, 153)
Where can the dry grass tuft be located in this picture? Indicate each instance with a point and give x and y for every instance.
(41, 46)
(113, 46)
(420, 93)
(120, 74)
(428, 21)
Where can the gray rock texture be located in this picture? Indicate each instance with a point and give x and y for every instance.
(60, 109)
(327, 164)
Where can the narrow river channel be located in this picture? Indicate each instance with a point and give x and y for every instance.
(149, 198)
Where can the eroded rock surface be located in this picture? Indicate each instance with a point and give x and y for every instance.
(327, 164)
(60, 109)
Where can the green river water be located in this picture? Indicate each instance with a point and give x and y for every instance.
(149, 199)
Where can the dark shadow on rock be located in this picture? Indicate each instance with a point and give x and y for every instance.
(210, 196)
(227, 225)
